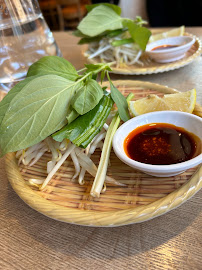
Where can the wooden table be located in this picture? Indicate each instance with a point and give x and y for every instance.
(29, 240)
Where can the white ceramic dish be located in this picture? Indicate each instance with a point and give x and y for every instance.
(166, 55)
(189, 122)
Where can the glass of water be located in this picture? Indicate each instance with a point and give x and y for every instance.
(24, 39)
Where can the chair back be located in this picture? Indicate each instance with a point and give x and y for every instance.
(71, 12)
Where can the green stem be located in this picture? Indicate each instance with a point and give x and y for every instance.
(103, 67)
(104, 160)
(78, 71)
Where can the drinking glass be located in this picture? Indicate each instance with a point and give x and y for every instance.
(24, 38)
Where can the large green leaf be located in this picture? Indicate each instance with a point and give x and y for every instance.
(139, 34)
(116, 8)
(100, 19)
(39, 110)
(87, 97)
(4, 104)
(53, 65)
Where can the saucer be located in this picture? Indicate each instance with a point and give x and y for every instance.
(169, 49)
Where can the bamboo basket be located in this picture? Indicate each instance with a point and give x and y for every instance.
(142, 197)
(152, 67)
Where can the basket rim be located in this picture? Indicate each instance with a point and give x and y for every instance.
(135, 70)
(107, 218)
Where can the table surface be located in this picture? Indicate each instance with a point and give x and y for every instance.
(29, 240)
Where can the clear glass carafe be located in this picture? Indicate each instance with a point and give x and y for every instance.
(24, 38)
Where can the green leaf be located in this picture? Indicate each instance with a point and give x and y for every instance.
(139, 21)
(142, 36)
(53, 65)
(71, 115)
(87, 40)
(78, 33)
(38, 110)
(102, 76)
(87, 97)
(99, 20)
(139, 34)
(5, 103)
(115, 33)
(104, 89)
(93, 67)
(82, 130)
(121, 103)
(116, 8)
(96, 68)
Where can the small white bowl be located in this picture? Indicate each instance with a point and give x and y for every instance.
(189, 122)
(166, 55)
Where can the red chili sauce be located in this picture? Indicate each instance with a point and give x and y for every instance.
(161, 144)
(164, 47)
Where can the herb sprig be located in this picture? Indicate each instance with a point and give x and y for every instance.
(52, 95)
(104, 20)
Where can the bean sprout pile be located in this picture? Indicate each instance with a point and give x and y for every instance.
(60, 152)
(127, 54)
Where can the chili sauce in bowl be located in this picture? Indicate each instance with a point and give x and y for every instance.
(169, 49)
(163, 143)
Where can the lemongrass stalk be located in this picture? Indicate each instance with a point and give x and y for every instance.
(104, 160)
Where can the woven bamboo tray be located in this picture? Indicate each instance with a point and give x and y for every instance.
(142, 198)
(151, 67)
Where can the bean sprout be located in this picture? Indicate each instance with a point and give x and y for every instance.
(76, 164)
(81, 158)
(126, 54)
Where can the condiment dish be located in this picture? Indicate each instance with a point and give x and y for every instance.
(187, 121)
(169, 49)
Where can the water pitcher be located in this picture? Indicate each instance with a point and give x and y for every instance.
(24, 38)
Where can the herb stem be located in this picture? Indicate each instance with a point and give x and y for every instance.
(104, 160)
(93, 72)
(78, 71)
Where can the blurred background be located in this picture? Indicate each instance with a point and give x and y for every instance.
(66, 14)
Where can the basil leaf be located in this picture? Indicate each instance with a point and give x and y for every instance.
(116, 8)
(121, 103)
(5, 103)
(87, 40)
(39, 110)
(102, 76)
(139, 34)
(92, 67)
(100, 19)
(87, 97)
(95, 68)
(115, 33)
(71, 115)
(142, 36)
(78, 33)
(53, 65)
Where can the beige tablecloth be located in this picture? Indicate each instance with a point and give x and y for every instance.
(31, 241)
